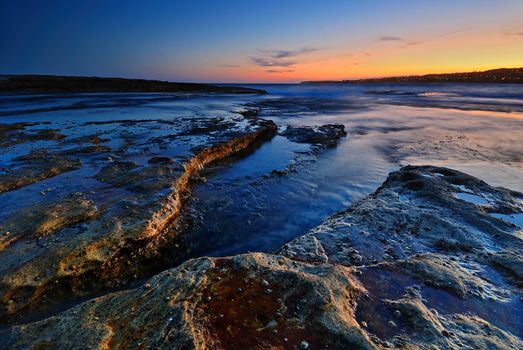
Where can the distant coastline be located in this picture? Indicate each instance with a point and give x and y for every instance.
(71, 84)
(498, 76)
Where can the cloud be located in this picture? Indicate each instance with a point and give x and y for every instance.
(389, 38)
(513, 33)
(273, 71)
(412, 43)
(270, 62)
(289, 53)
(452, 32)
(280, 58)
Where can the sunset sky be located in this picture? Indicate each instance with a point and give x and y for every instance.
(258, 41)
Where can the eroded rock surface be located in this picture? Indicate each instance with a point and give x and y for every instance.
(253, 301)
(429, 261)
(438, 256)
(86, 212)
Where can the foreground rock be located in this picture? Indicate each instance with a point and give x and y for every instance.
(254, 301)
(416, 265)
(86, 211)
(440, 255)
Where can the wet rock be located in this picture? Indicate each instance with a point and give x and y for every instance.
(161, 160)
(16, 133)
(173, 313)
(249, 111)
(33, 168)
(512, 260)
(45, 219)
(431, 330)
(418, 236)
(436, 270)
(125, 238)
(327, 135)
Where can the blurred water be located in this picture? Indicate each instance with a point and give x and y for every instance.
(474, 128)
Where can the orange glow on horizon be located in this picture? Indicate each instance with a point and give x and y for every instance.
(462, 53)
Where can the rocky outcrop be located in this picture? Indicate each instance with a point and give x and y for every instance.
(433, 246)
(428, 261)
(327, 135)
(253, 301)
(113, 231)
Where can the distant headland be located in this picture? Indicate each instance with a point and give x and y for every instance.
(501, 75)
(67, 84)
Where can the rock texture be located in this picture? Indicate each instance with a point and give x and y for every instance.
(327, 135)
(433, 246)
(103, 226)
(429, 261)
(253, 301)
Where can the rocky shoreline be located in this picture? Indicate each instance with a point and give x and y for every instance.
(431, 260)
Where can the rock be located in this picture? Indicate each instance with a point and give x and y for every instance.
(424, 281)
(420, 246)
(435, 331)
(327, 135)
(112, 233)
(161, 160)
(510, 259)
(249, 112)
(36, 168)
(46, 219)
(174, 315)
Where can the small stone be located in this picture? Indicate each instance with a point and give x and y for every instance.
(265, 283)
(392, 323)
(239, 290)
(364, 324)
(268, 291)
(397, 313)
(147, 286)
(278, 314)
(304, 345)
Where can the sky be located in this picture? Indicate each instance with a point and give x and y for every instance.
(258, 41)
